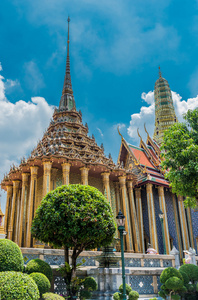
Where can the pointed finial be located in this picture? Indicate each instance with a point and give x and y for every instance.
(68, 20)
(139, 133)
(145, 129)
(160, 73)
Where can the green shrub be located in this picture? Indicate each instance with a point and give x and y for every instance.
(84, 294)
(11, 258)
(39, 266)
(191, 270)
(42, 282)
(17, 286)
(174, 283)
(128, 289)
(162, 294)
(185, 277)
(133, 295)
(191, 287)
(175, 297)
(90, 284)
(116, 296)
(169, 272)
(52, 296)
(197, 287)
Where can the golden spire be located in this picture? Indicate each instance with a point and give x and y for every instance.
(67, 100)
(160, 73)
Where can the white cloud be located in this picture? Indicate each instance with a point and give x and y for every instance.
(21, 126)
(100, 131)
(147, 114)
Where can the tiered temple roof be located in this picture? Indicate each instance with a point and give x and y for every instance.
(143, 160)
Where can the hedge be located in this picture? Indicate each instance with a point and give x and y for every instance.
(17, 286)
(133, 295)
(52, 296)
(39, 266)
(42, 282)
(11, 258)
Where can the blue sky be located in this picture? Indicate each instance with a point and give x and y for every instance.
(115, 50)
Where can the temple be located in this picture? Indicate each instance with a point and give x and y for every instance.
(66, 155)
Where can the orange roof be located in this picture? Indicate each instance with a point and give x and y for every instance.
(141, 156)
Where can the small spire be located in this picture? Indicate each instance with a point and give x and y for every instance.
(67, 82)
(160, 73)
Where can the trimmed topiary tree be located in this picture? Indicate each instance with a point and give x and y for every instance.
(88, 286)
(170, 272)
(82, 219)
(174, 283)
(39, 266)
(128, 289)
(191, 270)
(185, 277)
(42, 282)
(17, 286)
(133, 295)
(52, 296)
(11, 258)
(116, 296)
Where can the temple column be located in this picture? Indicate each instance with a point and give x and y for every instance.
(84, 175)
(134, 221)
(165, 221)
(140, 217)
(125, 203)
(183, 222)
(31, 204)
(17, 217)
(117, 197)
(23, 207)
(47, 165)
(13, 208)
(8, 208)
(189, 218)
(151, 216)
(66, 171)
(177, 225)
(106, 187)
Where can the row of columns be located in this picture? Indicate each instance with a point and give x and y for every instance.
(22, 204)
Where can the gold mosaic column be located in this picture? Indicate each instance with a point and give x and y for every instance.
(183, 222)
(189, 218)
(106, 187)
(117, 189)
(13, 208)
(151, 215)
(134, 221)
(8, 207)
(23, 207)
(126, 213)
(84, 175)
(140, 217)
(31, 204)
(47, 165)
(165, 221)
(66, 171)
(177, 226)
(17, 217)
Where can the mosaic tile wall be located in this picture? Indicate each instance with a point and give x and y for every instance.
(142, 284)
(158, 223)
(194, 214)
(171, 217)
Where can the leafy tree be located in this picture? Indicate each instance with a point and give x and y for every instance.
(77, 217)
(180, 153)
